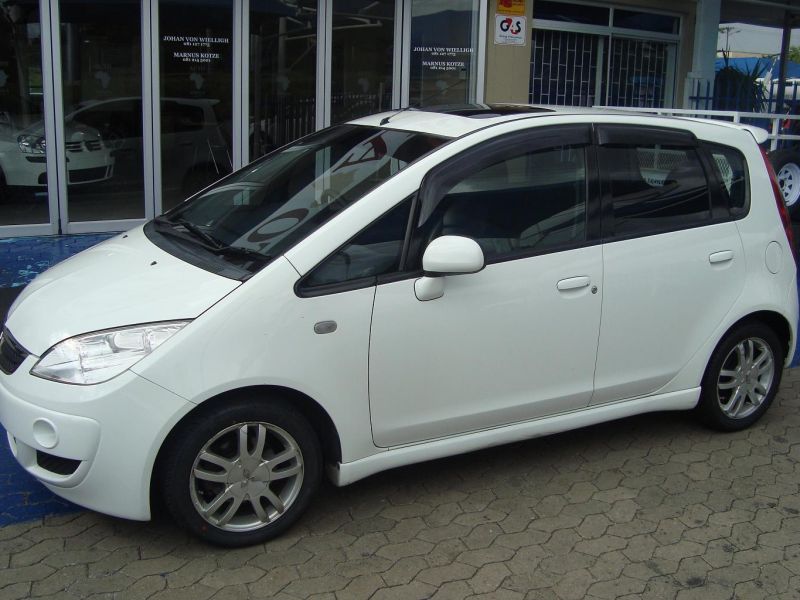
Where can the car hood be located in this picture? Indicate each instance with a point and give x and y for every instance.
(123, 281)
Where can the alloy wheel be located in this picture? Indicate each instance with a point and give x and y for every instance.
(745, 378)
(246, 477)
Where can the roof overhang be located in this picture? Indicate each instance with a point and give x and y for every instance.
(768, 13)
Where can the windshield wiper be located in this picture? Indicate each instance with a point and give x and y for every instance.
(244, 253)
(211, 243)
(199, 233)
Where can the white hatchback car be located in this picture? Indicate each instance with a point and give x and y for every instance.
(403, 287)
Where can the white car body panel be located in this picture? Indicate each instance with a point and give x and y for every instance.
(493, 350)
(401, 380)
(110, 285)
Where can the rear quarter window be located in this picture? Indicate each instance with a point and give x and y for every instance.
(730, 168)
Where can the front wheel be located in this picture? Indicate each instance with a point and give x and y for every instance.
(742, 378)
(243, 474)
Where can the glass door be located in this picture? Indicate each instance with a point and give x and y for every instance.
(23, 140)
(101, 79)
(283, 73)
(196, 95)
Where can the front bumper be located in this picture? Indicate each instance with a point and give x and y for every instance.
(92, 445)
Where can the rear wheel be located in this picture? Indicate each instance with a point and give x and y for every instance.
(244, 474)
(742, 378)
(787, 167)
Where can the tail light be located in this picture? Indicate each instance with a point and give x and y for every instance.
(784, 212)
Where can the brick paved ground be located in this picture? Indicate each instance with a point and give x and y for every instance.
(650, 507)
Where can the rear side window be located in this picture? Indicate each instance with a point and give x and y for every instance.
(654, 188)
(731, 171)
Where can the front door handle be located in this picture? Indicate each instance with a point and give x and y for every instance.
(573, 283)
(720, 257)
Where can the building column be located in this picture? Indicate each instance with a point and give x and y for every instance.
(704, 50)
(508, 68)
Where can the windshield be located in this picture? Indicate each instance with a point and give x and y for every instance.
(262, 210)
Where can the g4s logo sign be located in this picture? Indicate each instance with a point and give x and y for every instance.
(510, 30)
(511, 25)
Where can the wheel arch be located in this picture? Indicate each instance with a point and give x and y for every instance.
(774, 320)
(317, 416)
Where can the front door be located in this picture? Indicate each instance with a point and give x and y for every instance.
(517, 340)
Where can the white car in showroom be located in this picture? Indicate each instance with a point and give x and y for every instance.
(23, 161)
(403, 287)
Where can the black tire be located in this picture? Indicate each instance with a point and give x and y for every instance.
(180, 489)
(787, 166)
(715, 403)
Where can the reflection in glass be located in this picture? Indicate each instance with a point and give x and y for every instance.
(283, 69)
(444, 44)
(101, 74)
(23, 172)
(196, 60)
(363, 48)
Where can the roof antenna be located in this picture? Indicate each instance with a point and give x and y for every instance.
(385, 120)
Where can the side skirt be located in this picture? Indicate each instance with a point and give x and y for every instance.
(345, 473)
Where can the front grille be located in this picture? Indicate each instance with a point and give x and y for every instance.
(74, 146)
(87, 174)
(56, 464)
(93, 145)
(11, 353)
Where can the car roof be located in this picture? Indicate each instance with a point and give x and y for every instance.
(455, 121)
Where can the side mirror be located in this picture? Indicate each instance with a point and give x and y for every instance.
(447, 255)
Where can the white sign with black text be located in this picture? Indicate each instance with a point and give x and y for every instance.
(510, 31)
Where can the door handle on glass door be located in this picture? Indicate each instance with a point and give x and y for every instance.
(573, 283)
(720, 257)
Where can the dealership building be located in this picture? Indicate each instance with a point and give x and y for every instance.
(112, 111)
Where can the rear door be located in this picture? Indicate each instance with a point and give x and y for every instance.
(673, 260)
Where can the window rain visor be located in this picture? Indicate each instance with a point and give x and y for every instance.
(262, 210)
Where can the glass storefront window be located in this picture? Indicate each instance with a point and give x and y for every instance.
(444, 48)
(23, 169)
(196, 58)
(283, 71)
(362, 57)
(101, 69)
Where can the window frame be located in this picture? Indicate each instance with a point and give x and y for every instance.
(607, 134)
(449, 172)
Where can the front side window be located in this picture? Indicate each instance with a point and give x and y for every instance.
(375, 251)
(654, 188)
(264, 209)
(528, 202)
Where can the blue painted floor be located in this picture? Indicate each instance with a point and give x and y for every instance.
(22, 498)
(22, 259)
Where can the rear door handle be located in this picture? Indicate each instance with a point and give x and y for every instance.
(720, 257)
(573, 283)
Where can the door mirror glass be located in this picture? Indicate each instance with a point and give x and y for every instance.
(452, 255)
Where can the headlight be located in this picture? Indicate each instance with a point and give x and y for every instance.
(32, 144)
(97, 357)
